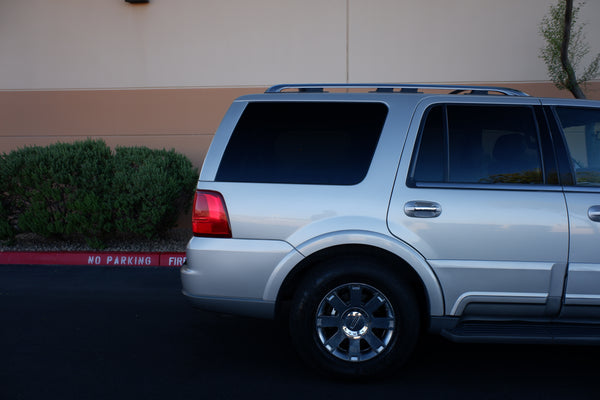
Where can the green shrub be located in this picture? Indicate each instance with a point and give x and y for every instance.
(60, 190)
(83, 189)
(7, 231)
(151, 187)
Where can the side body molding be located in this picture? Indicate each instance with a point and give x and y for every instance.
(366, 238)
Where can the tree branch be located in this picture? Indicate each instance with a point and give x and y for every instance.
(571, 82)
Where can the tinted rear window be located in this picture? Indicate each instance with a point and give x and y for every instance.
(303, 143)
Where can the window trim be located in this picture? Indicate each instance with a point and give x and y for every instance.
(530, 187)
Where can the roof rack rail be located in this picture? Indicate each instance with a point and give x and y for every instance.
(403, 88)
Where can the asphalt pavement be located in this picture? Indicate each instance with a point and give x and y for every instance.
(89, 332)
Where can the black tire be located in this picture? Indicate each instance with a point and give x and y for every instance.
(354, 318)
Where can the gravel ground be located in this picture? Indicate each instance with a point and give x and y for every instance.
(174, 240)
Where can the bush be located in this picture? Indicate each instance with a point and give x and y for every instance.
(7, 232)
(151, 187)
(83, 189)
(59, 190)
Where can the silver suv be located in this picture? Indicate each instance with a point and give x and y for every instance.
(368, 214)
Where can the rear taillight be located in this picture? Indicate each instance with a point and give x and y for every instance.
(210, 215)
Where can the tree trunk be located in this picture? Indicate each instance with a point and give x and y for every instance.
(571, 82)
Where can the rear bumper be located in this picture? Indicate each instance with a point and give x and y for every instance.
(230, 275)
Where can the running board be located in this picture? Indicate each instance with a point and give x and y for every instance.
(514, 332)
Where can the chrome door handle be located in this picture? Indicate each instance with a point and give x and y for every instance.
(594, 213)
(422, 209)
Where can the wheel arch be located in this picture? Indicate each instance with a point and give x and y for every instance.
(398, 259)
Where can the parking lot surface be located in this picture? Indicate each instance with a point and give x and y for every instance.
(87, 332)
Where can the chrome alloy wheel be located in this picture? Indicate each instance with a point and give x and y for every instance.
(355, 322)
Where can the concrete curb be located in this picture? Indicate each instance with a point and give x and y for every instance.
(137, 259)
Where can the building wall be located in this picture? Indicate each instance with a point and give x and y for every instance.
(72, 44)
(90, 44)
(183, 119)
(163, 74)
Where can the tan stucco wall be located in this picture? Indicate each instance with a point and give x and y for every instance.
(183, 119)
(453, 41)
(86, 44)
(67, 44)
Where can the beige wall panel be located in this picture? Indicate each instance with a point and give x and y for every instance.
(115, 112)
(64, 44)
(540, 89)
(452, 41)
(183, 119)
(78, 44)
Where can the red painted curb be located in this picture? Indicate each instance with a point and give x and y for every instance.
(156, 259)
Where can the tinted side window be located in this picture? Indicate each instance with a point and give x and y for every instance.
(581, 127)
(303, 143)
(431, 161)
(478, 144)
